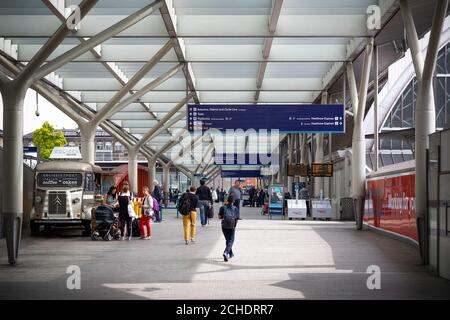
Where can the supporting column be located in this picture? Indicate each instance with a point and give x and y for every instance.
(87, 133)
(151, 163)
(133, 169)
(376, 139)
(318, 158)
(13, 94)
(304, 153)
(166, 183)
(290, 154)
(425, 114)
(358, 140)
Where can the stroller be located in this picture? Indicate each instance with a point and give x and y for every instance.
(104, 224)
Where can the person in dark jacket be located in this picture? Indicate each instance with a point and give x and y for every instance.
(125, 220)
(261, 197)
(205, 202)
(229, 215)
(157, 194)
(251, 195)
(190, 217)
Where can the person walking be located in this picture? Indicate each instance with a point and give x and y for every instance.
(125, 220)
(251, 195)
(222, 195)
(236, 192)
(157, 194)
(188, 206)
(261, 197)
(205, 202)
(147, 213)
(229, 215)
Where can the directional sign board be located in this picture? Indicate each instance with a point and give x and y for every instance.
(322, 169)
(306, 118)
(297, 170)
(246, 159)
(241, 174)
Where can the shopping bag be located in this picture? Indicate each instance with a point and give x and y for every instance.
(131, 212)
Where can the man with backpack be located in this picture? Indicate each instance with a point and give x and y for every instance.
(157, 194)
(205, 202)
(229, 215)
(187, 208)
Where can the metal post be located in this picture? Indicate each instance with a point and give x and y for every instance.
(13, 97)
(151, 162)
(87, 133)
(166, 183)
(425, 116)
(375, 110)
(290, 148)
(358, 141)
(318, 158)
(304, 153)
(133, 169)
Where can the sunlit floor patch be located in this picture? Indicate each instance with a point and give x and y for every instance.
(208, 290)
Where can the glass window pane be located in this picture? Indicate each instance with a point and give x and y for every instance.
(387, 159)
(440, 63)
(407, 107)
(385, 144)
(396, 144)
(440, 102)
(397, 158)
(396, 121)
(408, 156)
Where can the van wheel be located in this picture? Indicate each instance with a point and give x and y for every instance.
(34, 229)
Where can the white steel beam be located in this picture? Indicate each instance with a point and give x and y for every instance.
(52, 43)
(163, 122)
(98, 39)
(273, 20)
(110, 106)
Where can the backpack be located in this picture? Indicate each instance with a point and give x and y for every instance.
(229, 217)
(155, 204)
(185, 205)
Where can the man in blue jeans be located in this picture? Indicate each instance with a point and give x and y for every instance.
(205, 202)
(228, 213)
(236, 192)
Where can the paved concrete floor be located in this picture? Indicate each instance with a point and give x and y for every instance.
(275, 259)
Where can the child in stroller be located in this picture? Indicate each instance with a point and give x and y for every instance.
(105, 224)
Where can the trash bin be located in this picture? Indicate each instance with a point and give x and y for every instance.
(347, 210)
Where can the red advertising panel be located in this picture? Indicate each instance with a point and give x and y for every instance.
(390, 204)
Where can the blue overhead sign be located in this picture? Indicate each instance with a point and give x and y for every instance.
(306, 118)
(241, 174)
(246, 159)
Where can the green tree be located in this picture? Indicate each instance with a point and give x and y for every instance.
(45, 138)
